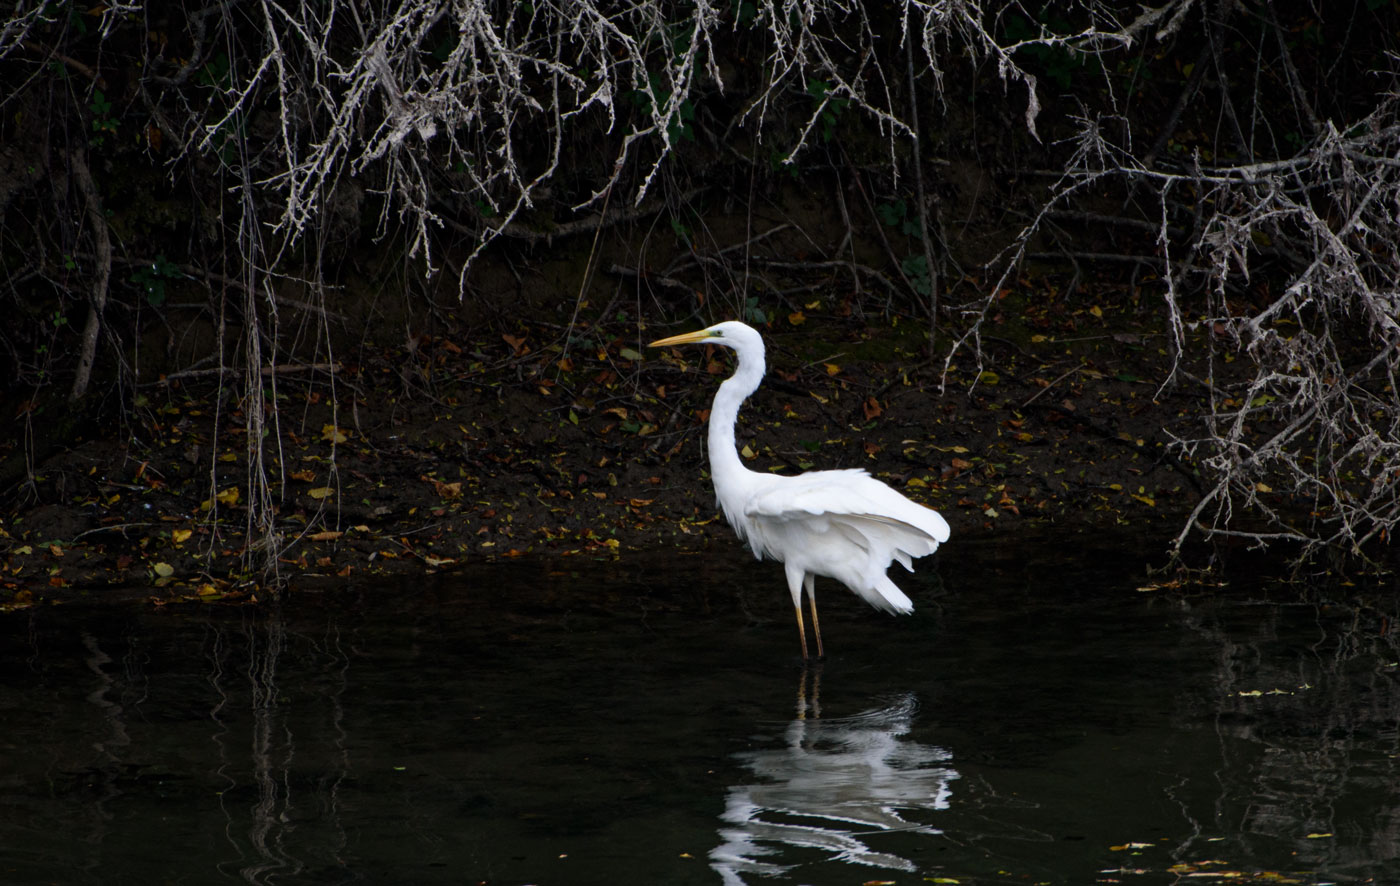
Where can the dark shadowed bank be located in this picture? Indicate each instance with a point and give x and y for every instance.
(498, 451)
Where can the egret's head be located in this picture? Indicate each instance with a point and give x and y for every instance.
(730, 334)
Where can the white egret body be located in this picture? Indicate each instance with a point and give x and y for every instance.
(844, 525)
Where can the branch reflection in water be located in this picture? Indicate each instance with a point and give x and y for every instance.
(258, 727)
(833, 784)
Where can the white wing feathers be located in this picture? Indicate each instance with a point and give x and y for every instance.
(850, 494)
(842, 524)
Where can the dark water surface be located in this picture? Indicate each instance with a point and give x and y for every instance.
(1038, 720)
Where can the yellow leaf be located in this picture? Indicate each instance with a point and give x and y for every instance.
(332, 434)
(206, 590)
(1145, 499)
(164, 570)
(328, 535)
(1037, 338)
(1097, 311)
(988, 377)
(831, 368)
(320, 492)
(1262, 487)
(1316, 836)
(229, 456)
(229, 496)
(797, 318)
(180, 536)
(746, 452)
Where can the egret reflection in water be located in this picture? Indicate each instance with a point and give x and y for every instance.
(833, 784)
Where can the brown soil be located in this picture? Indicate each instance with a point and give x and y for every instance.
(464, 451)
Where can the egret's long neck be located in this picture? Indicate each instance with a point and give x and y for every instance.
(724, 454)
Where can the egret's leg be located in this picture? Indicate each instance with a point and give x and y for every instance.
(810, 581)
(794, 577)
(801, 631)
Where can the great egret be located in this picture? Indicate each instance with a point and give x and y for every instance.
(843, 524)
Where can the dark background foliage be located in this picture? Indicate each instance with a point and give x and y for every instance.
(227, 196)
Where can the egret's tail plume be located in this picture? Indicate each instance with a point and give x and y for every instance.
(886, 595)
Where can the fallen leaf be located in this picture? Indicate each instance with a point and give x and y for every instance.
(164, 570)
(332, 434)
(180, 536)
(229, 496)
(320, 492)
(327, 535)
(447, 490)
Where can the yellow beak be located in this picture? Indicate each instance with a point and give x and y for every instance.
(684, 339)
